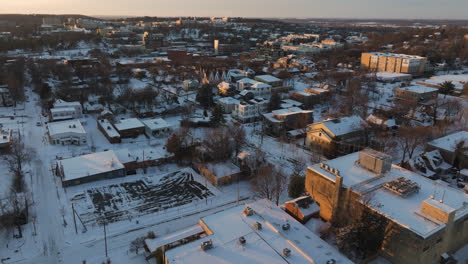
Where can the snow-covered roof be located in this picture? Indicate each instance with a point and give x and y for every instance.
(62, 109)
(91, 164)
(418, 89)
(109, 128)
(450, 142)
(402, 210)
(261, 246)
(61, 103)
(222, 169)
(140, 154)
(267, 78)
(228, 100)
(68, 126)
(129, 123)
(306, 205)
(344, 125)
(156, 123)
(154, 244)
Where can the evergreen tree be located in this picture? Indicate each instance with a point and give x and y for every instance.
(204, 96)
(296, 186)
(446, 87)
(217, 116)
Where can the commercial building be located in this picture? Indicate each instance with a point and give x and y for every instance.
(416, 94)
(88, 168)
(259, 232)
(130, 128)
(424, 219)
(69, 132)
(109, 131)
(390, 62)
(156, 127)
(220, 173)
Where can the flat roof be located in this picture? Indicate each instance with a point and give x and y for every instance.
(221, 169)
(68, 126)
(109, 128)
(268, 78)
(344, 125)
(418, 89)
(450, 142)
(156, 123)
(129, 123)
(262, 246)
(396, 55)
(91, 164)
(402, 210)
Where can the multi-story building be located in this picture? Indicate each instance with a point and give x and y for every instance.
(287, 119)
(337, 137)
(416, 94)
(390, 62)
(423, 219)
(250, 110)
(269, 51)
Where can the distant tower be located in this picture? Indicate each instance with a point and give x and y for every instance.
(216, 47)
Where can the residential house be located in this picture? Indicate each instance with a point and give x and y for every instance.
(453, 148)
(130, 128)
(283, 120)
(156, 127)
(337, 137)
(109, 131)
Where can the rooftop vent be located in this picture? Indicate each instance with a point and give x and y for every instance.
(242, 240)
(205, 245)
(286, 252)
(331, 261)
(248, 211)
(375, 161)
(257, 226)
(286, 226)
(402, 186)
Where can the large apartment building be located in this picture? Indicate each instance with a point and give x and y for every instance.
(391, 62)
(425, 219)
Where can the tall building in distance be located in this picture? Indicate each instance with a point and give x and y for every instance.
(391, 62)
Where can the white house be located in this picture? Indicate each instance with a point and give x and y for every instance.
(156, 127)
(228, 104)
(66, 110)
(69, 132)
(250, 110)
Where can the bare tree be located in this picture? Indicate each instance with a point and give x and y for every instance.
(237, 134)
(15, 159)
(269, 183)
(410, 138)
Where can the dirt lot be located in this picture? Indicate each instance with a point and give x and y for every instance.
(123, 201)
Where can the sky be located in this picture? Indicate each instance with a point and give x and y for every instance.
(410, 9)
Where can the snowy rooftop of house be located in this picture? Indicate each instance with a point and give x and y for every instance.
(154, 244)
(62, 109)
(418, 89)
(109, 128)
(260, 85)
(261, 246)
(129, 123)
(68, 126)
(221, 169)
(5, 136)
(461, 78)
(91, 164)
(61, 103)
(156, 123)
(402, 210)
(344, 125)
(228, 100)
(248, 81)
(267, 78)
(450, 142)
(141, 154)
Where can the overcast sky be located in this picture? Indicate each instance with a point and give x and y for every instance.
(438, 9)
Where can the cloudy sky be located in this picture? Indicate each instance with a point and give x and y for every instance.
(439, 9)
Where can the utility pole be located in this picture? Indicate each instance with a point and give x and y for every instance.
(105, 237)
(74, 217)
